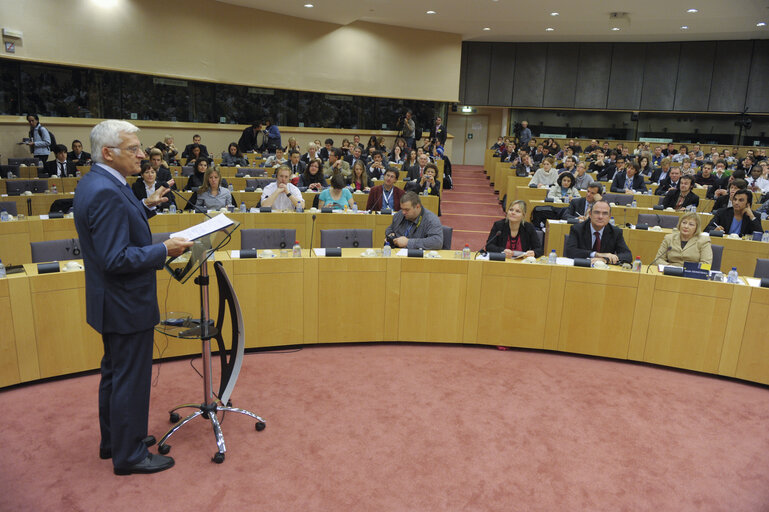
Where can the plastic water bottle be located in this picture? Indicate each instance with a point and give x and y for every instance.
(634, 204)
(54, 190)
(765, 236)
(354, 207)
(466, 252)
(387, 251)
(637, 264)
(552, 258)
(4, 216)
(611, 221)
(732, 277)
(77, 173)
(297, 250)
(242, 206)
(299, 207)
(172, 208)
(426, 191)
(230, 187)
(10, 175)
(176, 173)
(2, 269)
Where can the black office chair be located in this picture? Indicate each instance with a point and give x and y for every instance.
(619, 199)
(762, 268)
(61, 206)
(718, 251)
(346, 238)
(18, 187)
(253, 173)
(9, 207)
(267, 238)
(653, 219)
(22, 161)
(38, 186)
(541, 237)
(448, 234)
(55, 250)
(5, 169)
(187, 170)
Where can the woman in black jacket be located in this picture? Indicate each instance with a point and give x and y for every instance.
(513, 235)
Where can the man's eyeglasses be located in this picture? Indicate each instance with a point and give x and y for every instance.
(134, 150)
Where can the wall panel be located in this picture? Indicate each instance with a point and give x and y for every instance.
(758, 88)
(530, 68)
(593, 75)
(626, 80)
(478, 72)
(561, 74)
(729, 86)
(502, 74)
(695, 72)
(659, 77)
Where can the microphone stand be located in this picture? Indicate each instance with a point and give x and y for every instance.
(187, 201)
(484, 252)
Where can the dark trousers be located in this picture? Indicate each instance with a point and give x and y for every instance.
(124, 395)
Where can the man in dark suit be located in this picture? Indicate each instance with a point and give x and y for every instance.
(610, 169)
(580, 208)
(682, 197)
(252, 138)
(672, 180)
(738, 218)
(77, 156)
(121, 298)
(187, 153)
(630, 181)
(356, 155)
(295, 164)
(60, 166)
(162, 173)
(596, 239)
(725, 200)
(439, 131)
(386, 195)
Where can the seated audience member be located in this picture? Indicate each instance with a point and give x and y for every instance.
(546, 175)
(338, 196)
(629, 181)
(596, 239)
(645, 167)
(312, 179)
(295, 163)
(210, 195)
(757, 183)
(599, 163)
(414, 227)
(686, 167)
(281, 194)
(387, 195)
(168, 150)
(195, 153)
(564, 188)
(358, 180)
(293, 145)
(513, 235)
(662, 172)
(326, 150)
(60, 166)
(397, 155)
(188, 153)
(200, 167)
(346, 150)
(686, 243)
(526, 167)
(682, 197)
(312, 153)
(355, 155)
(252, 139)
(233, 157)
(508, 153)
(582, 179)
(592, 147)
(428, 182)
(657, 157)
(77, 156)
(575, 147)
(497, 144)
(725, 200)
(160, 166)
(145, 186)
(738, 218)
(580, 207)
(276, 160)
(610, 171)
(569, 164)
(705, 178)
(671, 182)
(721, 176)
(335, 164)
(377, 167)
(356, 142)
(410, 164)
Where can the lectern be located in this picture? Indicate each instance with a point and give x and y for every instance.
(182, 268)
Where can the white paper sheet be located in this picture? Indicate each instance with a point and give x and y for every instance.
(204, 228)
(320, 251)
(235, 254)
(567, 262)
(402, 252)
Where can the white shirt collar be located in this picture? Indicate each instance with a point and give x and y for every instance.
(113, 172)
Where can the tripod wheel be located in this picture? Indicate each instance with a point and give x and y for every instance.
(218, 457)
(260, 425)
(163, 449)
(174, 418)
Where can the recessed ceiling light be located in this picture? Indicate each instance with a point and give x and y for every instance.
(684, 27)
(486, 28)
(760, 24)
(554, 14)
(549, 29)
(309, 6)
(615, 29)
(692, 11)
(430, 12)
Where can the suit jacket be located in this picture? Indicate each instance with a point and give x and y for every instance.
(606, 173)
(440, 133)
(187, 153)
(409, 172)
(580, 242)
(697, 249)
(50, 169)
(657, 175)
(671, 198)
(120, 259)
(83, 160)
(301, 166)
(724, 218)
(250, 141)
(140, 191)
(721, 202)
(500, 233)
(576, 208)
(665, 185)
(618, 184)
(374, 202)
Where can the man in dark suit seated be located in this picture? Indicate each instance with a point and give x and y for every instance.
(674, 177)
(579, 208)
(661, 172)
(725, 200)
(77, 156)
(378, 167)
(162, 173)
(596, 239)
(187, 153)
(357, 154)
(414, 227)
(630, 181)
(59, 167)
(295, 163)
(610, 169)
(738, 218)
(386, 195)
(682, 197)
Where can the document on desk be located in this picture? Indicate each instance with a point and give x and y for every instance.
(204, 228)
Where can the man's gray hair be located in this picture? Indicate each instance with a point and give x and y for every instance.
(107, 134)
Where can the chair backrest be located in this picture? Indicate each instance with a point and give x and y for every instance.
(718, 251)
(448, 234)
(38, 186)
(762, 268)
(263, 182)
(187, 170)
(619, 199)
(653, 219)
(346, 237)
(22, 161)
(55, 250)
(17, 187)
(9, 206)
(160, 237)
(267, 238)
(4, 169)
(541, 237)
(61, 205)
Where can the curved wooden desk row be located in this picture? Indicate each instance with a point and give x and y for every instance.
(737, 253)
(16, 236)
(710, 327)
(642, 200)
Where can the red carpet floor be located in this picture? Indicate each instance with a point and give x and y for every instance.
(398, 427)
(471, 207)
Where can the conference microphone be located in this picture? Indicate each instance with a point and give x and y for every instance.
(312, 233)
(657, 259)
(484, 252)
(195, 207)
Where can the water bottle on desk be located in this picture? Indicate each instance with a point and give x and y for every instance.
(230, 187)
(354, 207)
(299, 207)
(634, 204)
(242, 206)
(611, 221)
(53, 190)
(172, 208)
(732, 277)
(466, 252)
(552, 258)
(637, 264)
(297, 250)
(387, 251)
(765, 236)
(4, 216)
(2, 269)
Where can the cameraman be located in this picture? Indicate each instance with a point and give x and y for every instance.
(407, 127)
(525, 136)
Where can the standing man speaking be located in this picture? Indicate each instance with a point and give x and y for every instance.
(121, 298)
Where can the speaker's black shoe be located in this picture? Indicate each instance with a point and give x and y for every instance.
(151, 464)
(106, 453)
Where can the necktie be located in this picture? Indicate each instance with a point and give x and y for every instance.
(597, 244)
(61, 169)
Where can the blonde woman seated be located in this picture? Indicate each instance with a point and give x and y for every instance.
(564, 188)
(513, 235)
(545, 175)
(687, 243)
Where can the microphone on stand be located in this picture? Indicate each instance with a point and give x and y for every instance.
(484, 252)
(656, 259)
(312, 233)
(194, 206)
